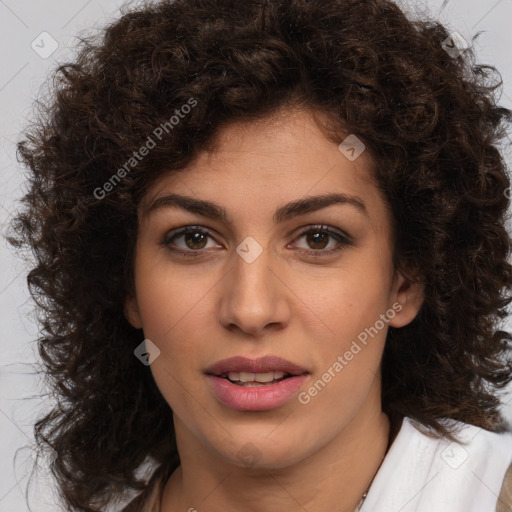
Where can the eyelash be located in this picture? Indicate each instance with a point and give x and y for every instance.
(343, 240)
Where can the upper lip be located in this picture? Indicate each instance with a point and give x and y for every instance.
(260, 365)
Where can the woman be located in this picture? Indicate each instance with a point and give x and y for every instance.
(272, 261)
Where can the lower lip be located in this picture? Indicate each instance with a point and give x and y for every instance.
(256, 398)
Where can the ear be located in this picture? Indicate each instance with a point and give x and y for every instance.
(410, 295)
(131, 312)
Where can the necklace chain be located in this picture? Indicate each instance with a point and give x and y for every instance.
(363, 497)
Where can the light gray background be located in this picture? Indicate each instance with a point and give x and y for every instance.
(22, 71)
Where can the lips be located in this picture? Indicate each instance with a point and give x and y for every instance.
(255, 384)
(264, 364)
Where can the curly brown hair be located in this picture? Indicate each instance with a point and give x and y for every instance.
(430, 120)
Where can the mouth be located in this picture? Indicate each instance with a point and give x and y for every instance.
(262, 371)
(255, 384)
(249, 379)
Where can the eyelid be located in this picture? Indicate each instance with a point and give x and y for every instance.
(342, 238)
(183, 230)
(328, 229)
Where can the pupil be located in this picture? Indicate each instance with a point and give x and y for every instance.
(316, 239)
(196, 238)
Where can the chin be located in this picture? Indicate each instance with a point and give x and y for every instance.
(261, 452)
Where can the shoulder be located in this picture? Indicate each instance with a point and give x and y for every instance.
(149, 500)
(144, 503)
(487, 456)
(466, 474)
(504, 503)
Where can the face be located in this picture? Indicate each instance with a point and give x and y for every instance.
(287, 255)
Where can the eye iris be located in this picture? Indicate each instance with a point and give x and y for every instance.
(196, 238)
(315, 238)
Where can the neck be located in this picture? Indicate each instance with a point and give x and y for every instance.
(333, 478)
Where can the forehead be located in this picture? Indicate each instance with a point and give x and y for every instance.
(258, 165)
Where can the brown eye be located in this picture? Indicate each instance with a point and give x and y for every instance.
(318, 239)
(195, 240)
(188, 241)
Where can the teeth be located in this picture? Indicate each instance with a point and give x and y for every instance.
(247, 377)
(266, 377)
(255, 377)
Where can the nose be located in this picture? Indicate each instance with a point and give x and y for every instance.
(253, 297)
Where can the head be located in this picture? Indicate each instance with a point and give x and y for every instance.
(250, 283)
(257, 108)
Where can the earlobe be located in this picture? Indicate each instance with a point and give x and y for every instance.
(410, 295)
(131, 312)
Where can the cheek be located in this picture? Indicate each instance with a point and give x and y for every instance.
(347, 302)
(173, 313)
(178, 371)
(170, 299)
(349, 362)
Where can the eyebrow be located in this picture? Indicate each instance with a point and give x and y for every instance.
(288, 211)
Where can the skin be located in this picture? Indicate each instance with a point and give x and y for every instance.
(304, 307)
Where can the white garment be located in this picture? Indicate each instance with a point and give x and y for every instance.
(422, 474)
